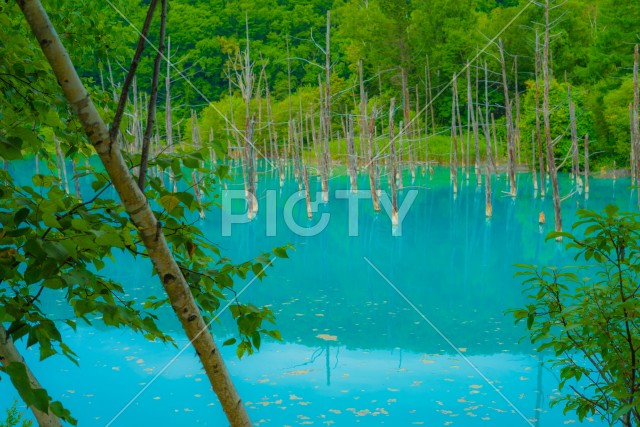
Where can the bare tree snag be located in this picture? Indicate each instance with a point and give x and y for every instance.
(551, 160)
(534, 175)
(636, 118)
(353, 172)
(474, 125)
(195, 180)
(454, 136)
(541, 167)
(394, 169)
(371, 163)
(168, 122)
(62, 167)
(586, 166)
(575, 159)
(307, 191)
(327, 70)
(511, 155)
(76, 180)
(488, 210)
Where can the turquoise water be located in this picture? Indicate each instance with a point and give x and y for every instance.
(354, 350)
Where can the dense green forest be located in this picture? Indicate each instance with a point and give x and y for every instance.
(591, 50)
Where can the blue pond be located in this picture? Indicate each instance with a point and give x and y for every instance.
(377, 329)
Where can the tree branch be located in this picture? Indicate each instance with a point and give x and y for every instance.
(151, 110)
(122, 102)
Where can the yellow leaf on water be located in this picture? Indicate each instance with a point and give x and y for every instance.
(327, 337)
(300, 372)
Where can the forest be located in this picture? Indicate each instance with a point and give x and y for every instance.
(130, 131)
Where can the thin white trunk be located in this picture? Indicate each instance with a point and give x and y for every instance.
(9, 354)
(140, 212)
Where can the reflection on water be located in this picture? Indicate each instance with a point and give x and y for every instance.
(353, 350)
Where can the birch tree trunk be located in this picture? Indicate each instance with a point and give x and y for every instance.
(139, 211)
(9, 354)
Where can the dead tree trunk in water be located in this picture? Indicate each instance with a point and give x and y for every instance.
(428, 106)
(575, 159)
(353, 170)
(511, 154)
(636, 117)
(460, 139)
(406, 104)
(62, 167)
(474, 125)
(324, 137)
(454, 137)
(551, 160)
(307, 191)
(139, 210)
(586, 166)
(633, 155)
(534, 174)
(327, 70)
(195, 179)
(76, 180)
(393, 160)
(488, 210)
(371, 162)
(168, 122)
(516, 125)
(541, 167)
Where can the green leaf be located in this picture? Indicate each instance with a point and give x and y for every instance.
(110, 239)
(255, 339)
(555, 234)
(530, 319)
(169, 202)
(40, 399)
(80, 224)
(611, 210)
(274, 334)
(230, 341)
(11, 148)
(258, 270)
(20, 216)
(280, 252)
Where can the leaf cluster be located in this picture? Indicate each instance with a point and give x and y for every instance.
(589, 317)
